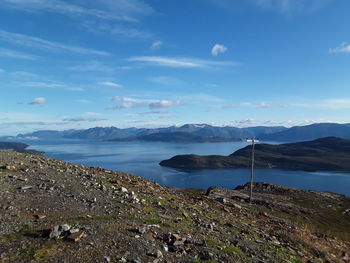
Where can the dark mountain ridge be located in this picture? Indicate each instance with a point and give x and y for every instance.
(265, 133)
(309, 132)
(176, 137)
(111, 133)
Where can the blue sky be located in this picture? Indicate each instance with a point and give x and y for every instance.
(131, 63)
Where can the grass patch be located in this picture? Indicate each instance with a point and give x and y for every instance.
(233, 250)
(45, 252)
(204, 261)
(40, 253)
(152, 221)
(104, 217)
(148, 209)
(212, 243)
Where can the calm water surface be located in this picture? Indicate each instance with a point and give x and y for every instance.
(142, 158)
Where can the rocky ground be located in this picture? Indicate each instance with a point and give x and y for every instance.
(53, 211)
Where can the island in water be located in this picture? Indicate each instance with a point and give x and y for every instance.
(324, 154)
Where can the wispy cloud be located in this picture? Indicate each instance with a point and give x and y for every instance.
(337, 103)
(41, 85)
(92, 66)
(74, 89)
(84, 119)
(38, 101)
(166, 80)
(179, 62)
(217, 49)
(110, 84)
(331, 104)
(261, 105)
(284, 7)
(156, 45)
(15, 54)
(129, 32)
(109, 10)
(130, 103)
(160, 112)
(342, 48)
(39, 43)
(119, 30)
(266, 105)
(125, 105)
(24, 74)
(230, 106)
(127, 99)
(83, 101)
(163, 104)
(289, 7)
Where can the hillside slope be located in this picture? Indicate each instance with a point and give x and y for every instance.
(53, 211)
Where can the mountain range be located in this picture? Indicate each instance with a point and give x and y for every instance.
(204, 131)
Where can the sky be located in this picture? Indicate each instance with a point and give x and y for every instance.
(75, 64)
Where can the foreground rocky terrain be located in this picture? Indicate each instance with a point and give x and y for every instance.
(53, 211)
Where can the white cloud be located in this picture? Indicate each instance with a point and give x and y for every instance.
(120, 98)
(38, 101)
(217, 49)
(103, 9)
(110, 84)
(342, 48)
(15, 54)
(39, 43)
(129, 103)
(179, 62)
(163, 104)
(156, 45)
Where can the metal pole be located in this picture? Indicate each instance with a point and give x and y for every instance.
(252, 172)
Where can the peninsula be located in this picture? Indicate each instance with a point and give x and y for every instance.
(325, 154)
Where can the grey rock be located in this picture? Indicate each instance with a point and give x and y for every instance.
(221, 200)
(26, 187)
